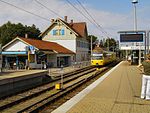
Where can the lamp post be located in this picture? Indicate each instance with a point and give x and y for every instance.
(134, 2)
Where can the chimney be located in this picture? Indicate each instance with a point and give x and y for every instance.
(65, 18)
(52, 20)
(71, 21)
(26, 35)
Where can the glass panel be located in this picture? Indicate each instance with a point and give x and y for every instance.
(62, 32)
(97, 58)
(54, 32)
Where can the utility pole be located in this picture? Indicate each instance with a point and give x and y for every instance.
(91, 46)
(148, 42)
(1, 61)
(108, 44)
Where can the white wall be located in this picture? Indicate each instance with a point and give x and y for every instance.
(16, 46)
(69, 44)
(67, 34)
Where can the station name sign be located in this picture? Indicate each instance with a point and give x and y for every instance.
(131, 37)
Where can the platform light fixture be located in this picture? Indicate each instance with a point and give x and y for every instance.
(134, 1)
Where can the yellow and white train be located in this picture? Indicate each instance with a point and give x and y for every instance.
(100, 57)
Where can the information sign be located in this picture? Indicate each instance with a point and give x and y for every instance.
(131, 37)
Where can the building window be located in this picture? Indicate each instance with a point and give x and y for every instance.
(78, 44)
(59, 32)
(54, 32)
(62, 32)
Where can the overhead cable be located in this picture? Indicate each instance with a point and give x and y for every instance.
(101, 28)
(48, 9)
(24, 10)
(79, 11)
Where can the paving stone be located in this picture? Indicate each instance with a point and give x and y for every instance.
(118, 93)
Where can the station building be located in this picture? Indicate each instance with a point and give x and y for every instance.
(62, 43)
(36, 52)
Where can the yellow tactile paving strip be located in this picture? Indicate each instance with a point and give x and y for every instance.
(118, 93)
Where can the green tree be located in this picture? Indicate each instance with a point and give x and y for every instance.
(32, 31)
(10, 31)
(110, 44)
(94, 38)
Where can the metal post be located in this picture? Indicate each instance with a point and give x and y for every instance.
(126, 55)
(135, 17)
(148, 42)
(139, 53)
(17, 63)
(134, 2)
(62, 71)
(28, 63)
(145, 44)
(1, 61)
(108, 44)
(91, 47)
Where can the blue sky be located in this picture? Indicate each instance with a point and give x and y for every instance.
(112, 15)
(117, 6)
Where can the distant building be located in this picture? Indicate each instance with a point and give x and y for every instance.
(71, 35)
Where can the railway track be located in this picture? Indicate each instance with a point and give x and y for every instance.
(38, 98)
(59, 101)
(13, 100)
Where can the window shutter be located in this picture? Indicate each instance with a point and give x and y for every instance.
(62, 32)
(54, 32)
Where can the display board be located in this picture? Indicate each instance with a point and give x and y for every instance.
(131, 37)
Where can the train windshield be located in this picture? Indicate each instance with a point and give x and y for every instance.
(97, 56)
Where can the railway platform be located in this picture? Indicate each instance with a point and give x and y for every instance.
(118, 91)
(13, 81)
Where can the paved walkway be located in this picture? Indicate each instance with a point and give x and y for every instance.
(119, 92)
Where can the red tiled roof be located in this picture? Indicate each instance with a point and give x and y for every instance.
(80, 28)
(45, 45)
